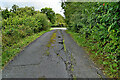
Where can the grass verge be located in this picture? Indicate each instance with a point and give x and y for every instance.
(10, 52)
(0, 49)
(97, 58)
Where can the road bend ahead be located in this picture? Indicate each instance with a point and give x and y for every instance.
(53, 55)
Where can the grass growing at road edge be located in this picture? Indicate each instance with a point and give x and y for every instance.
(10, 52)
(99, 59)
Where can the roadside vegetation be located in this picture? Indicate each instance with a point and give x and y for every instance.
(96, 27)
(0, 49)
(50, 14)
(57, 19)
(20, 26)
(60, 21)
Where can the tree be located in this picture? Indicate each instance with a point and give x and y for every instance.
(14, 8)
(60, 20)
(29, 11)
(50, 14)
(5, 13)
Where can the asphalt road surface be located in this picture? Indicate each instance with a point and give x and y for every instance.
(52, 55)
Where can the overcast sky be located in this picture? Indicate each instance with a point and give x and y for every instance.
(38, 4)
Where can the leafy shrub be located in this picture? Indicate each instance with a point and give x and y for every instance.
(97, 25)
(16, 27)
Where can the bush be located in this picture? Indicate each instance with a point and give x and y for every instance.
(17, 27)
(98, 27)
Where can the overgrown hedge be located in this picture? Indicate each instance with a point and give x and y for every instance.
(18, 25)
(97, 26)
(15, 28)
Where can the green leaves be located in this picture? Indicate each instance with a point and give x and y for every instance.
(50, 14)
(105, 63)
(101, 31)
(112, 25)
(115, 64)
(17, 27)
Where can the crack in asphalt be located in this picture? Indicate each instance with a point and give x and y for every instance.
(68, 63)
(25, 65)
(28, 64)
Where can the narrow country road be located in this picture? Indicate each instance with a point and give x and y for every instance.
(53, 55)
